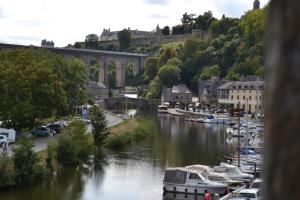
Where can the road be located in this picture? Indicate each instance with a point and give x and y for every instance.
(40, 143)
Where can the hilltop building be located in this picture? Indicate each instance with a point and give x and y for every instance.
(256, 4)
(108, 35)
(46, 43)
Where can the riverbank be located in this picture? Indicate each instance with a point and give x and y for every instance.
(129, 131)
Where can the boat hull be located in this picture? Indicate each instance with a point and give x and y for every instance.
(193, 189)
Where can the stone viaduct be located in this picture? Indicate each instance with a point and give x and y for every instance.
(102, 58)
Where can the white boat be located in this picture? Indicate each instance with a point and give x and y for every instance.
(233, 172)
(182, 180)
(162, 108)
(215, 120)
(207, 172)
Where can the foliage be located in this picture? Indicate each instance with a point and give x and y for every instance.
(25, 161)
(99, 125)
(154, 88)
(36, 84)
(145, 129)
(169, 75)
(166, 30)
(151, 67)
(210, 71)
(74, 145)
(91, 41)
(124, 38)
(112, 72)
(50, 155)
(129, 71)
(165, 54)
(6, 172)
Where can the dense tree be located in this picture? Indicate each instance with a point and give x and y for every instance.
(177, 30)
(209, 72)
(166, 30)
(77, 45)
(151, 67)
(204, 21)
(25, 160)
(124, 38)
(91, 41)
(36, 84)
(165, 54)
(99, 125)
(169, 75)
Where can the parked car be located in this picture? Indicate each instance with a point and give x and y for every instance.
(3, 140)
(42, 131)
(9, 133)
(55, 127)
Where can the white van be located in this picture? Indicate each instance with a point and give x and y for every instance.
(9, 133)
(3, 140)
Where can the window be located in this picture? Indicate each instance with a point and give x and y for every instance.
(250, 96)
(243, 106)
(176, 97)
(231, 97)
(238, 97)
(181, 97)
(250, 107)
(244, 98)
(194, 176)
(259, 97)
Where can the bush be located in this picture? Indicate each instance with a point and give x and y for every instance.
(6, 172)
(74, 145)
(144, 129)
(24, 160)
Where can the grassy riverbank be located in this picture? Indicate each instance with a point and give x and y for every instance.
(129, 131)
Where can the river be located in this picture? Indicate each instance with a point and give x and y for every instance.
(135, 173)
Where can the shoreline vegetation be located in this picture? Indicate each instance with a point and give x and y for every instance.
(72, 148)
(129, 131)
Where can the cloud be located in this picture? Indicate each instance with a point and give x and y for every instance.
(159, 2)
(158, 16)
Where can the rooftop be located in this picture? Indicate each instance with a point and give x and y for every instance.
(180, 89)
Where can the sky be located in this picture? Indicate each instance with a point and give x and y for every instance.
(67, 21)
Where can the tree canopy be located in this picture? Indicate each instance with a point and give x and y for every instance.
(36, 84)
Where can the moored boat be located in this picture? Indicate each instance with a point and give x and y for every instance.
(182, 180)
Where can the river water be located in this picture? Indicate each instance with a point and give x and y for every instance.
(135, 173)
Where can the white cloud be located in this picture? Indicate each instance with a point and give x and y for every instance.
(67, 21)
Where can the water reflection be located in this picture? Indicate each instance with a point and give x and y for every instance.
(135, 173)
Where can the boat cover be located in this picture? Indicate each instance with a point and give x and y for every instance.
(175, 176)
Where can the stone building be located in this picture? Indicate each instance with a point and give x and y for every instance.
(108, 35)
(46, 43)
(98, 90)
(256, 4)
(245, 95)
(178, 93)
(208, 91)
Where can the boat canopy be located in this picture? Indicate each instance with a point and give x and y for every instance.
(175, 176)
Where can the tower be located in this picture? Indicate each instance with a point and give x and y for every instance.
(256, 4)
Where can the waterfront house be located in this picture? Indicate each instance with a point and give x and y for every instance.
(245, 95)
(178, 93)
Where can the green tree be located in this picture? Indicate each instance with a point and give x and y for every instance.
(77, 45)
(169, 75)
(151, 67)
(165, 54)
(124, 38)
(209, 72)
(73, 145)
(6, 172)
(91, 41)
(166, 30)
(155, 87)
(99, 125)
(30, 88)
(25, 160)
